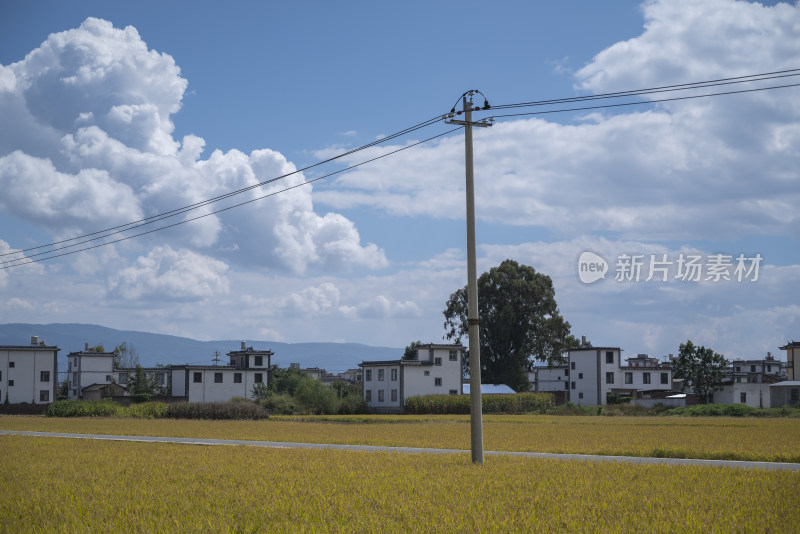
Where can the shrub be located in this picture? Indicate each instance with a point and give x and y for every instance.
(146, 410)
(83, 408)
(140, 397)
(517, 403)
(706, 410)
(278, 403)
(216, 410)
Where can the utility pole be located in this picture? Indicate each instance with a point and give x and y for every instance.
(476, 408)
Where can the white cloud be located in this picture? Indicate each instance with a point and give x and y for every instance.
(717, 167)
(177, 274)
(92, 111)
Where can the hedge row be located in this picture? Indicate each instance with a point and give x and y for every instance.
(156, 410)
(518, 403)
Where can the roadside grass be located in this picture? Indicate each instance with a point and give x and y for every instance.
(61, 485)
(720, 438)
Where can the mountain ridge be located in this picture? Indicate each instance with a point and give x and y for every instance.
(167, 349)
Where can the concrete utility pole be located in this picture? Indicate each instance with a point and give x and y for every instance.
(476, 408)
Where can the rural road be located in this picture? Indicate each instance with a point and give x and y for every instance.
(779, 466)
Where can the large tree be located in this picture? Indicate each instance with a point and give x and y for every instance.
(519, 323)
(701, 368)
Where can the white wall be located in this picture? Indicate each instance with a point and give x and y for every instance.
(550, 379)
(26, 375)
(91, 369)
(757, 394)
(387, 385)
(585, 391)
(207, 390)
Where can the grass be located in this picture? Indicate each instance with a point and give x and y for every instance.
(723, 438)
(47, 484)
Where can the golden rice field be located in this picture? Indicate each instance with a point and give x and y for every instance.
(64, 485)
(768, 439)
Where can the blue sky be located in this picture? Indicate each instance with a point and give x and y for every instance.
(113, 111)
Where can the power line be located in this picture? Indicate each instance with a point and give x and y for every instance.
(664, 88)
(641, 102)
(116, 230)
(19, 261)
(179, 211)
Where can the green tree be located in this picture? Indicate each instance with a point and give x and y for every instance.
(701, 368)
(139, 384)
(519, 323)
(125, 356)
(286, 380)
(411, 350)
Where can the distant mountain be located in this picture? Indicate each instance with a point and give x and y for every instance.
(163, 349)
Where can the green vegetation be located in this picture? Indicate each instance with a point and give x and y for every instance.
(92, 486)
(292, 391)
(519, 321)
(701, 368)
(519, 403)
(156, 410)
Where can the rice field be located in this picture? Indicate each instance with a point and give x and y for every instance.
(769, 439)
(58, 485)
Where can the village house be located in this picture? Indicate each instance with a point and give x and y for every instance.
(435, 370)
(28, 373)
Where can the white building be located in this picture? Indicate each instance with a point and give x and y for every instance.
(753, 394)
(597, 372)
(194, 383)
(28, 373)
(437, 370)
(246, 368)
(88, 368)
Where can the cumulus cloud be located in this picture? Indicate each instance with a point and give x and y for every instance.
(720, 167)
(178, 274)
(91, 114)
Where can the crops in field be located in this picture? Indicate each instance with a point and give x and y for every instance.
(154, 410)
(772, 439)
(82, 485)
(518, 403)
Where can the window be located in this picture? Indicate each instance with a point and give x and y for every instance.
(794, 394)
(738, 378)
(738, 369)
(258, 378)
(394, 395)
(237, 378)
(427, 373)
(380, 395)
(369, 395)
(11, 365)
(566, 372)
(558, 377)
(369, 375)
(580, 395)
(769, 368)
(609, 357)
(123, 378)
(566, 385)
(572, 365)
(394, 375)
(743, 397)
(75, 379)
(609, 378)
(453, 392)
(218, 378)
(752, 368)
(259, 361)
(629, 378)
(665, 378)
(44, 376)
(44, 396)
(645, 378)
(453, 355)
(380, 375)
(198, 378)
(437, 362)
(573, 385)
(1, 376)
(10, 383)
(75, 362)
(430, 354)
(437, 381)
(108, 378)
(580, 376)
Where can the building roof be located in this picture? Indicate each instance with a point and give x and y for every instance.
(90, 353)
(787, 384)
(491, 389)
(793, 345)
(29, 347)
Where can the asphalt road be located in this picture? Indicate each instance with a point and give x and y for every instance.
(780, 466)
